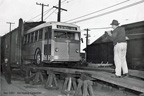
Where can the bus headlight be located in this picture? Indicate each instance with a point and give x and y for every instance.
(77, 51)
(56, 49)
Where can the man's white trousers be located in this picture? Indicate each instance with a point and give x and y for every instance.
(120, 50)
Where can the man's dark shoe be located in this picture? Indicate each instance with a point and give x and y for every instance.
(125, 75)
(115, 76)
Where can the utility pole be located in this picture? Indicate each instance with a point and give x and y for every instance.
(59, 11)
(42, 9)
(87, 35)
(10, 25)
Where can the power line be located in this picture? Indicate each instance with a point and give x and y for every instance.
(59, 11)
(40, 14)
(98, 10)
(55, 9)
(109, 12)
(46, 12)
(96, 28)
(41, 4)
(100, 28)
(50, 14)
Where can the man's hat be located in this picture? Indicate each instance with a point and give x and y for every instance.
(114, 22)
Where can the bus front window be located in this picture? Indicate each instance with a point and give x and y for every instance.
(66, 35)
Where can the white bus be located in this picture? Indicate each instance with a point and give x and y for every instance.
(52, 42)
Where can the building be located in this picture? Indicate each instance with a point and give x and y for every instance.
(101, 50)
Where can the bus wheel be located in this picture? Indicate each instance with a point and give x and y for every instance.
(38, 58)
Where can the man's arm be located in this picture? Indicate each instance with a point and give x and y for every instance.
(109, 35)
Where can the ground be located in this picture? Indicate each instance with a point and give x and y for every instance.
(19, 88)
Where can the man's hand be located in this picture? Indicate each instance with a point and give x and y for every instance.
(109, 33)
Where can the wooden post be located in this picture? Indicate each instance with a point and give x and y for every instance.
(51, 81)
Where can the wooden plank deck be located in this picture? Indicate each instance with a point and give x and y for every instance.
(127, 82)
(133, 73)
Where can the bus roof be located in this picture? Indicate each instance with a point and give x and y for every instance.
(54, 24)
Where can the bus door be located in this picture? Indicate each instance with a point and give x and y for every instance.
(47, 46)
(74, 46)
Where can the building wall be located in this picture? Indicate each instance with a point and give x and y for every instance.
(135, 53)
(102, 50)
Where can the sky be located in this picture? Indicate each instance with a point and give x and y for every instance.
(13, 10)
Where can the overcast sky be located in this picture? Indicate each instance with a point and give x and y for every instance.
(12, 10)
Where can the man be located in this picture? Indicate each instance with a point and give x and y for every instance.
(7, 71)
(120, 47)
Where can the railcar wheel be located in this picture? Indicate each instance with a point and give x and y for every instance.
(38, 58)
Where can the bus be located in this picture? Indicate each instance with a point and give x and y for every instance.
(52, 42)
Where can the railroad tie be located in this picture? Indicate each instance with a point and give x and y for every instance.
(51, 82)
(69, 86)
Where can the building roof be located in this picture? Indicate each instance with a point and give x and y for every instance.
(29, 25)
(133, 31)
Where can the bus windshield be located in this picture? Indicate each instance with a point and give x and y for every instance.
(67, 35)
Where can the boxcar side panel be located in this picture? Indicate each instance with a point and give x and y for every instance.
(6, 47)
(0, 54)
(14, 47)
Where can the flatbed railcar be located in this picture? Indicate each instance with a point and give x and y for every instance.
(42, 42)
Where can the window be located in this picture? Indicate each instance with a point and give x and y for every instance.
(77, 36)
(36, 36)
(40, 34)
(46, 35)
(48, 32)
(28, 38)
(59, 34)
(67, 35)
(32, 35)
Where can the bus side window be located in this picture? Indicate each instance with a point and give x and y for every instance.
(32, 35)
(36, 35)
(48, 32)
(28, 38)
(40, 34)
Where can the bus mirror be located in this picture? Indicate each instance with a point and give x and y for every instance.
(82, 40)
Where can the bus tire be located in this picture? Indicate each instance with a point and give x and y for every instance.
(37, 57)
